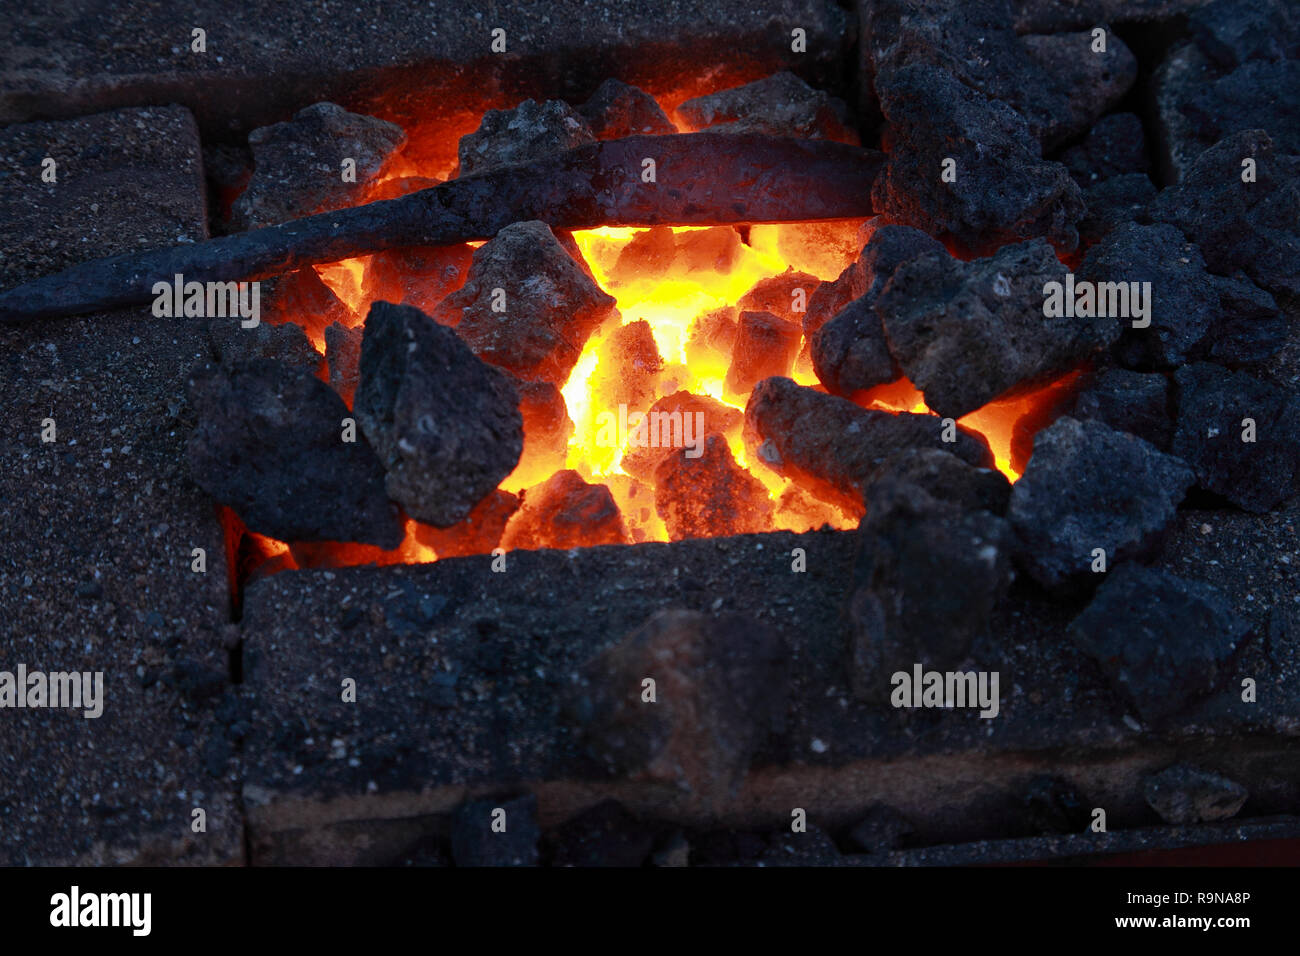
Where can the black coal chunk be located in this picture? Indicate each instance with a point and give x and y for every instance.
(719, 685)
(1257, 95)
(944, 477)
(1128, 401)
(927, 578)
(605, 835)
(269, 444)
(1251, 227)
(850, 351)
(881, 829)
(1184, 795)
(530, 131)
(285, 342)
(1162, 641)
(778, 105)
(1115, 146)
(1090, 487)
(496, 832)
(1004, 190)
(1233, 32)
(1114, 202)
(343, 353)
(445, 424)
(617, 109)
(1193, 313)
(1239, 435)
(832, 447)
(966, 332)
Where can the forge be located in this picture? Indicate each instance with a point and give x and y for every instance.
(879, 410)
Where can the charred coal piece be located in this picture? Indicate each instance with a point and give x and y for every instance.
(285, 342)
(671, 420)
(287, 159)
(833, 447)
(419, 276)
(268, 444)
(527, 307)
(1114, 202)
(446, 425)
(1242, 226)
(766, 345)
(479, 533)
(1184, 795)
(1239, 435)
(1161, 641)
(307, 300)
(778, 105)
(617, 109)
(1003, 191)
(566, 512)
(1115, 146)
(966, 332)
(527, 132)
(343, 355)
(927, 578)
(1233, 32)
(1193, 313)
(713, 335)
(701, 492)
(475, 840)
(716, 686)
(1127, 401)
(945, 478)
(1091, 497)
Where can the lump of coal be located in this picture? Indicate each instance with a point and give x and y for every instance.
(1256, 95)
(419, 276)
(833, 447)
(675, 421)
(446, 425)
(850, 352)
(785, 295)
(1184, 795)
(285, 342)
(1242, 226)
(343, 353)
(719, 686)
(927, 578)
(550, 305)
(616, 110)
(628, 369)
(479, 533)
(765, 346)
(701, 493)
(1239, 435)
(547, 426)
(881, 829)
(297, 163)
(944, 477)
(966, 332)
(1133, 402)
(1192, 312)
(1113, 202)
(713, 335)
(1086, 487)
(527, 132)
(1162, 641)
(268, 444)
(1003, 191)
(475, 841)
(1115, 146)
(778, 105)
(303, 297)
(566, 512)
(1233, 32)
(604, 835)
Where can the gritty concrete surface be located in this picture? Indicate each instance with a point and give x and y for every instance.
(100, 524)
